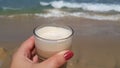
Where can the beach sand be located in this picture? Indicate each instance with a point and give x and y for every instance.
(96, 43)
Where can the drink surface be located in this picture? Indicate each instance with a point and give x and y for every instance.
(53, 33)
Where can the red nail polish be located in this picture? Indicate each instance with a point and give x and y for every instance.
(68, 55)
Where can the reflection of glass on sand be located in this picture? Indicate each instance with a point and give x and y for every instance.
(52, 40)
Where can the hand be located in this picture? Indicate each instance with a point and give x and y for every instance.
(25, 57)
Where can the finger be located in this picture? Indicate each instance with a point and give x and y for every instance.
(35, 59)
(33, 52)
(57, 60)
(28, 45)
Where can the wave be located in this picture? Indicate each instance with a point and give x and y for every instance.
(10, 8)
(44, 3)
(97, 7)
(58, 13)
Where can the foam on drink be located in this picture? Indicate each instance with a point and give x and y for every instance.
(53, 33)
(52, 40)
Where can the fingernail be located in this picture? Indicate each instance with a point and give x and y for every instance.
(68, 55)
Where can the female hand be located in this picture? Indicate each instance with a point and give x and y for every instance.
(25, 57)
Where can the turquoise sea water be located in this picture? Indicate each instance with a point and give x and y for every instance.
(96, 8)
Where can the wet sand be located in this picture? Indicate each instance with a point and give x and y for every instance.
(96, 43)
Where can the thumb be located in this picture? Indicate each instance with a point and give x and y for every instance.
(57, 60)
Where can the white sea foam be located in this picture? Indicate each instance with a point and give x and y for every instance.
(6, 8)
(99, 7)
(52, 13)
(44, 3)
(101, 17)
(58, 13)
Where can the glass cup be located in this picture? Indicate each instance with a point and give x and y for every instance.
(51, 39)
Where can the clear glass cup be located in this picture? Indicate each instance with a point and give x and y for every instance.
(47, 47)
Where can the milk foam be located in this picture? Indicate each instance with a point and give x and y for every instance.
(53, 33)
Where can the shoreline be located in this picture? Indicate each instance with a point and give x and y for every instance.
(61, 14)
